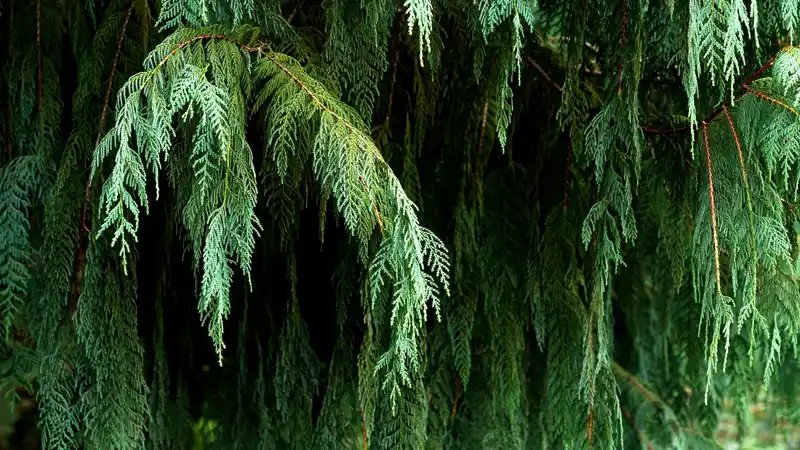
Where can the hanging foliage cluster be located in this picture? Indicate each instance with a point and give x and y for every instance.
(374, 224)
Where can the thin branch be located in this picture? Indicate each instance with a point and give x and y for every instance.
(714, 231)
(767, 98)
(456, 396)
(110, 84)
(648, 395)
(363, 429)
(639, 433)
(81, 264)
(260, 48)
(790, 206)
(544, 73)
(766, 66)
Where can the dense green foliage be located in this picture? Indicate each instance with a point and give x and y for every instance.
(366, 224)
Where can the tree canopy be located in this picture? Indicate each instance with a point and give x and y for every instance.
(373, 224)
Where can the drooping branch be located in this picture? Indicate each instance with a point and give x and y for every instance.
(320, 104)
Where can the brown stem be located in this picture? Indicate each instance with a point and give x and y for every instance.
(110, 84)
(790, 206)
(363, 428)
(81, 264)
(648, 395)
(546, 76)
(713, 206)
(641, 435)
(636, 384)
(738, 144)
(766, 66)
(456, 396)
(767, 98)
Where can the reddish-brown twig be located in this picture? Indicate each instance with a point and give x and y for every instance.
(546, 76)
(456, 396)
(714, 232)
(767, 98)
(641, 435)
(363, 428)
(84, 228)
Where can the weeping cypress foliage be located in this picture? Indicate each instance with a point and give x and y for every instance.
(373, 224)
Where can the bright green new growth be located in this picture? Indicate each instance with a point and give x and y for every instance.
(597, 201)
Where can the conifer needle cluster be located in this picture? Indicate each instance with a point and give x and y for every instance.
(373, 224)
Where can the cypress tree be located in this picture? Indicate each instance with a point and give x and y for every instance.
(372, 224)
